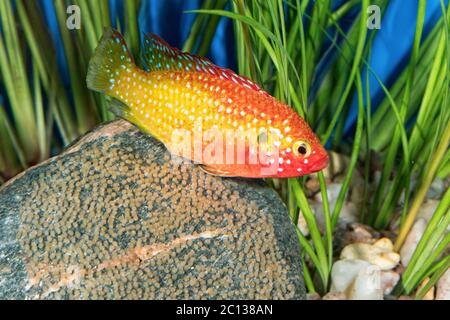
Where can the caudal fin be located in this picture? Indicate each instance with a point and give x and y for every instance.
(110, 56)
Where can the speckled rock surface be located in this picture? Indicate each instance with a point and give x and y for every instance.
(114, 218)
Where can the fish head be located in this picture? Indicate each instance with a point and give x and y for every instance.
(300, 151)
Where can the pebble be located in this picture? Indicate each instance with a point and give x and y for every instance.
(337, 165)
(443, 287)
(357, 189)
(312, 186)
(427, 209)
(333, 190)
(347, 216)
(358, 279)
(430, 294)
(335, 296)
(359, 233)
(380, 253)
(313, 296)
(302, 225)
(412, 240)
(389, 280)
(436, 190)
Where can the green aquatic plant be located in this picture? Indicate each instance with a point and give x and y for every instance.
(29, 128)
(278, 44)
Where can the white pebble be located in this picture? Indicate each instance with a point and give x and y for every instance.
(359, 279)
(413, 238)
(389, 280)
(380, 254)
(443, 287)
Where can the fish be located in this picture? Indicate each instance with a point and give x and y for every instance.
(225, 123)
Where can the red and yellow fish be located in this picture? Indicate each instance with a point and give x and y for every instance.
(187, 94)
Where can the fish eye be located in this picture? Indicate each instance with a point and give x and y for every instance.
(302, 148)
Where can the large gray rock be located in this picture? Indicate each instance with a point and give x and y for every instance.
(114, 218)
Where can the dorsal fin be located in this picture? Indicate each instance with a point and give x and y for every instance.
(158, 55)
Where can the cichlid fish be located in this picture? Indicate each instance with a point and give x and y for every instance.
(202, 112)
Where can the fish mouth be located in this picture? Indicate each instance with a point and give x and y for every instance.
(320, 163)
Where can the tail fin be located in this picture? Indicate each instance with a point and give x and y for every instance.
(110, 56)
